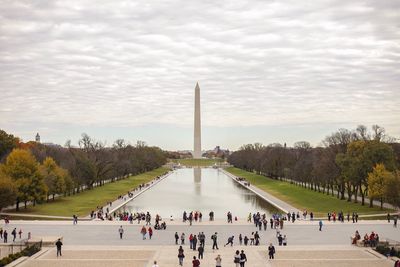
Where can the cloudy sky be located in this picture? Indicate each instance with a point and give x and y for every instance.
(269, 71)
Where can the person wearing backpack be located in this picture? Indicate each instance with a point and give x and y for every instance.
(236, 258)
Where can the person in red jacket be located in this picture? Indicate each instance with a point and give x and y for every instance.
(195, 262)
(150, 231)
(143, 232)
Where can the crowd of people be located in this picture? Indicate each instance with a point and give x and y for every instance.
(369, 240)
(103, 213)
(4, 234)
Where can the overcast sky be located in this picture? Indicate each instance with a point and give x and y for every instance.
(269, 71)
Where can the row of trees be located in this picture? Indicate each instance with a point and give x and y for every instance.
(36, 172)
(348, 164)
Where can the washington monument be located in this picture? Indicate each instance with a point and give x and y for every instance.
(197, 124)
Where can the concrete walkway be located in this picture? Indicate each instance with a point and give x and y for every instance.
(276, 202)
(166, 256)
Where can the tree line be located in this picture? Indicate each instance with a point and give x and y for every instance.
(37, 172)
(348, 164)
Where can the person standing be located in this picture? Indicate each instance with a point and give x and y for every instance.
(20, 233)
(194, 242)
(5, 236)
(395, 221)
(271, 251)
(195, 262)
(183, 239)
(176, 238)
(236, 258)
(284, 241)
(59, 245)
(240, 239)
(388, 217)
(201, 251)
(150, 232)
(243, 258)
(280, 239)
(181, 255)
(214, 239)
(121, 232)
(155, 264)
(218, 261)
(320, 225)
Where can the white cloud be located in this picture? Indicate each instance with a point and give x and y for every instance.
(259, 63)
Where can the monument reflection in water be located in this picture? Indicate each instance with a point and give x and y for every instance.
(202, 190)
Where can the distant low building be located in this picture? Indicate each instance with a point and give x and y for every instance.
(217, 152)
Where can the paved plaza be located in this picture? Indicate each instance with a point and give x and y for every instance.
(97, 243)
(80, 256)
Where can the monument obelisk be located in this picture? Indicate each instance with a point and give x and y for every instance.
(197, 124)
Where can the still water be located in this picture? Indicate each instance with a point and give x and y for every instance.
(198, 189)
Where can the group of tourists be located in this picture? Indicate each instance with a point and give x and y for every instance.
(14, 233)
(370, 240)
(332, 216)
(239, 258)
(192, 216)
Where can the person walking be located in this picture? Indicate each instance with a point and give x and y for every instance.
(201, 251)
(195, 262)
(181, 255)
(150, 232)
(320, 225)
(155, 264)
(214, 239)
(271, 251)
(240, 239)
(395, 221)
(143, 232)
(218, 261)
(20, 233)
(236, 258)
(243, 258)
(59, 245)
(388, 217)
(14, 234)
(121, 232)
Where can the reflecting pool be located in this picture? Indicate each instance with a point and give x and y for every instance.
(198, 189)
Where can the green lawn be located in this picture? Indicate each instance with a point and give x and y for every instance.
(81, 204)
(303, 198)
(197, 162)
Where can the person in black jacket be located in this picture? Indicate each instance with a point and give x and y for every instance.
(59, 245)
(243, 258)
(271, 251)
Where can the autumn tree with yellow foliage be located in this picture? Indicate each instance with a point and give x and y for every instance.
(383, 184)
